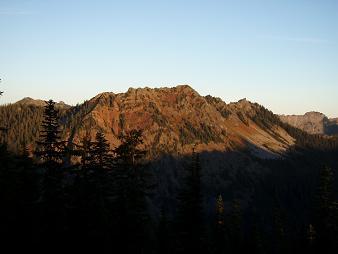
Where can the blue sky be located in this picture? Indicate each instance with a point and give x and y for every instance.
(282, 54)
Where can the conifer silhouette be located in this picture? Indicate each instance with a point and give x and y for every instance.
(220, 227)
(2, 128)
(100, 156)
(131, 188)
(190, 211)
(326, 211)
(49, 146)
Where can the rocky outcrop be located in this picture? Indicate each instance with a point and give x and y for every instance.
(177, 120)
(313, 123)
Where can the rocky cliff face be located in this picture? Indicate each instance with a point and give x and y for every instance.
(313, 123)
(176, 121)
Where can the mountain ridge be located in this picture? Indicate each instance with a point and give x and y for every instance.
(26, 101)
(313, 122)
(174, 120)
(177, 119)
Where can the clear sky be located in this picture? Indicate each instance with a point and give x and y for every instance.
(280, 53)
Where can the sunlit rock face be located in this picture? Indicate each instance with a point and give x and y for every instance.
(313, 123)
(177, 120)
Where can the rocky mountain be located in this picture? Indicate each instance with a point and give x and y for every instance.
(313, 123)
(231, 138)
(176, 120)
(27, 101)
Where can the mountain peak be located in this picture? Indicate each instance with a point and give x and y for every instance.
(312, 122)
(28, 101)
(175, 119)
(185, 87)
(314, 114)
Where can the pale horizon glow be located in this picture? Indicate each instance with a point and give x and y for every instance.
(281, 54)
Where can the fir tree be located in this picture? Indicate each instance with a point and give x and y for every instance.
(100, 156)
(235, 227)
(128, 153)
(52, 194)
(86, 152)
(311, 237)
(92, 183)
(256, 237)
(131, 188)
(190, 211)
(279, 230)
(220, 227)
(49, 144)
(163, 235)
(220, 211)
(326, 211)
(3, 129)
(99, 183)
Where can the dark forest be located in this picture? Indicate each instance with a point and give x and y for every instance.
(57, 195)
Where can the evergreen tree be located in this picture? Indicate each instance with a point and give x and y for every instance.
(98, 185)
(163, 235)
(28, 196)
(100, 157)
(311, 237)
(190, 211)
(86, 152)
(24, 122)
(49, 144)
(2, 128)
(89, 217)
(18, 193)
(257, 236)
(235, 227)
(131, 188)
(279, 230)
(220, 210)
(326, 211)
(128, 152)
(52, 200)
(220, 227)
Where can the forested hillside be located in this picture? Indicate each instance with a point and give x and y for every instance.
(86, 178)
